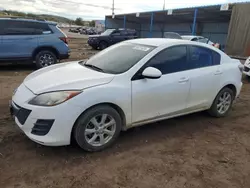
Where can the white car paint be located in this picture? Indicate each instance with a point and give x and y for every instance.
(246, 70)
(142, 101)
(197, 39)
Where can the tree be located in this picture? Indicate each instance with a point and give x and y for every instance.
(92, 23)
(79, 21)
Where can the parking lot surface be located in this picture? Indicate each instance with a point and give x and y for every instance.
(191, 151)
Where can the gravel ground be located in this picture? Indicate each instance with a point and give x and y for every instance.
(191, 151)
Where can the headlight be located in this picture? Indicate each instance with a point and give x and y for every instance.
(53, 98)
(14, 92)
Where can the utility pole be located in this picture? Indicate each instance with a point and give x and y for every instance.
(163, 4)
(113, 9)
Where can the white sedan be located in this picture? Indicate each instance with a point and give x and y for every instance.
(129, 84)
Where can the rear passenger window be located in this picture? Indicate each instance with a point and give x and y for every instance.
(16, 27)
(131, 33)
(200, 57)
(216, 58)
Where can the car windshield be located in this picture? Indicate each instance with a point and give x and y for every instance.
(108, 32)
(118, 58)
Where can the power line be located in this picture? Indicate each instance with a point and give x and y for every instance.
(89, 4)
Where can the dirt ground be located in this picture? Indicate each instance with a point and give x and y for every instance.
(191, 151)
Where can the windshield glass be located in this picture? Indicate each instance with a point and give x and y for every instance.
(108, 32)
(118, 58)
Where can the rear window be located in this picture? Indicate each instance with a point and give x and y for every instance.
(120, 57)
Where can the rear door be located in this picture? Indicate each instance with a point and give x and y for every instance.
(205, 75)
(19, 40)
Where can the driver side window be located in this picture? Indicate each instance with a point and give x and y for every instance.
(116, 33)
(170, 60)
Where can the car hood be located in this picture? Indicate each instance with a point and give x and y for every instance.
(65, 76)
(93, 36)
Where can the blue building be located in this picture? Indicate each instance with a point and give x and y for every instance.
(209, 21)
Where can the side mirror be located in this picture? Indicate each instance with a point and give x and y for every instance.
(151, 73)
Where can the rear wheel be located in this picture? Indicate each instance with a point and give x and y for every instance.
(222, 103)
(98, 128)
(45, 58)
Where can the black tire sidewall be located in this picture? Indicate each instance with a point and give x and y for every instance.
(82, 121)
(213, 110)
(38, 65)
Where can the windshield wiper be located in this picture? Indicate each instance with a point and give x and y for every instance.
(93, 67)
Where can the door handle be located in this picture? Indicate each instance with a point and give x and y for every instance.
(183, 80)
(218, 72)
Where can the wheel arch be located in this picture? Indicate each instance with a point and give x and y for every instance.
(232, 87)
(43, 48)
(115, 106)
(103, 40)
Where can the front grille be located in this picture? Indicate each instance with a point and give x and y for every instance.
(246, 69)
(42, 127)
(21, 113)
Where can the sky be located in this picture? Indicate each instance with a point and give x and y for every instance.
(97, 9)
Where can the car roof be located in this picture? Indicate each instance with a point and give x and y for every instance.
(156, 42)
(189, 37)
(29, 20)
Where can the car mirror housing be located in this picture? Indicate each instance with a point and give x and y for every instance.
(151, 73)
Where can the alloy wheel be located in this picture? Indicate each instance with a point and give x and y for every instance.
(224, 102)
(46, 60)
(100, 130)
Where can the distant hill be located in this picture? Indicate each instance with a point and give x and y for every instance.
(58, 19)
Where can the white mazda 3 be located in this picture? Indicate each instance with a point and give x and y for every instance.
(126, 85)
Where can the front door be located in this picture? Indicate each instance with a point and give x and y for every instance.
(166, 96)
(117, 36)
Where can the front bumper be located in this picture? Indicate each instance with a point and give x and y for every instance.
(50, 126)
(93, 43)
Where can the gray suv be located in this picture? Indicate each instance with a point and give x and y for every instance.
(36, 41)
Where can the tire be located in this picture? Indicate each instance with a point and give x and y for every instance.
(103, 45)
(217, 105)
(45, 58)
(91, 140)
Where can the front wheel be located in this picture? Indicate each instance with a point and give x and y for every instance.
(98, 128)
(103, 45)
(222, 103)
